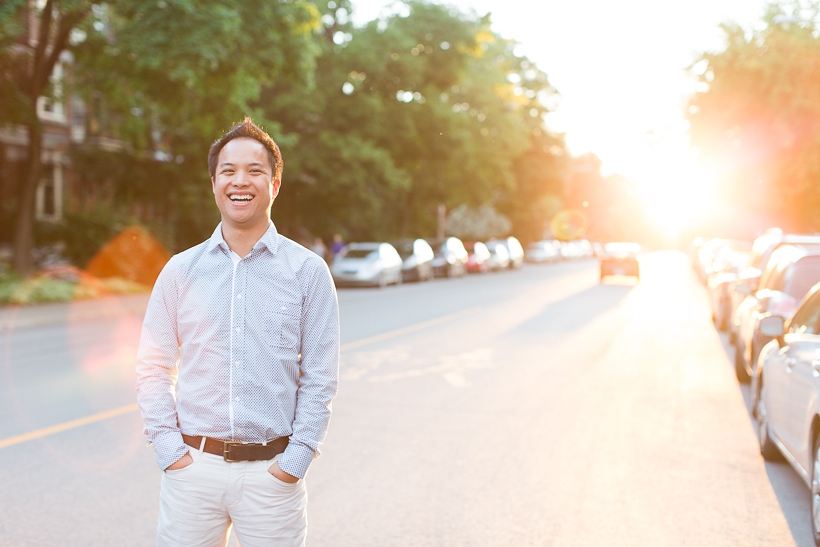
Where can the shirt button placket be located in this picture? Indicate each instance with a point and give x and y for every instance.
(240, 342)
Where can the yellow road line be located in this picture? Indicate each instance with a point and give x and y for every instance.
(39, 433)
(36, 434)
(406, 330)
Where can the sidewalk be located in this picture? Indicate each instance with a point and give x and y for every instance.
(20, 317)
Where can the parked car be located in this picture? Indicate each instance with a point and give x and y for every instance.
(732, 258)
(499, 257)
(450, 259)
(749, 277)
(787, 401)
(514, 250)
(621, 258)
(417, 259)
(376, 264)
(542, 251)
(478, 257)
(791, 271)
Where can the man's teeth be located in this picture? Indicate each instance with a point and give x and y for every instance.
(241, 198)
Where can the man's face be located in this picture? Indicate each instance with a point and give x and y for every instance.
(243, 184)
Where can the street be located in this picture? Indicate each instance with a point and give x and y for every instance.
(532, 407)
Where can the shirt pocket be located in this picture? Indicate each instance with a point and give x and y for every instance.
(283, 326)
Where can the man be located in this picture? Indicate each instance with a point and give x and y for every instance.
(245, 328)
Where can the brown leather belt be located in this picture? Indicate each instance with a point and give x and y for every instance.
(237, 451)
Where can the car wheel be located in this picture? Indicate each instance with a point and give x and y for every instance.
(768, 449)
(815, 491)
(740, 367)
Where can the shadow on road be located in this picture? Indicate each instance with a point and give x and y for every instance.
(575, 311)
(789, 488)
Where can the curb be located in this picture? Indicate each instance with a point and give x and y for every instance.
(22, 317)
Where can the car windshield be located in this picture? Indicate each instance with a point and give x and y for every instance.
(360, 253)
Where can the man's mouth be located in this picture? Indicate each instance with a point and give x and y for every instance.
(240, 197)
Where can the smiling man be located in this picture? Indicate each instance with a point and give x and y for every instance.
(238, 364)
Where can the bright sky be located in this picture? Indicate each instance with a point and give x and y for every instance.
(620, 67)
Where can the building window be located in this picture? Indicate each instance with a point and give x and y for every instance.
(49, 205)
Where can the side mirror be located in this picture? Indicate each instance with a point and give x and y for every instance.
(773, 326)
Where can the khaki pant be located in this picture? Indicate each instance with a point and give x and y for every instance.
(198, 504)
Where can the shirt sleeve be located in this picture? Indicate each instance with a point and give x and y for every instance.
(157, 362)
(319, 372)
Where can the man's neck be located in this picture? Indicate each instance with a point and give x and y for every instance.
(242, 239)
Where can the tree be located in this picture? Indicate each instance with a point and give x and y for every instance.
(757, 115)
(28, 58)
(426, 106)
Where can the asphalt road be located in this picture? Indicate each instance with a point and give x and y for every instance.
(536, 407)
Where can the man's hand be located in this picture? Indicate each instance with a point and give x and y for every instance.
(181, 463)
(281, 475)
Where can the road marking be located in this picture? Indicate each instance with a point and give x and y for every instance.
(406, 330)
(98, 417)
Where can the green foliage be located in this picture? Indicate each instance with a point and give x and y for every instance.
(436, 108)
(378, 125)
(83, 233)
(757, 116)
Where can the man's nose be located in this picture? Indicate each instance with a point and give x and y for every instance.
(241, 179)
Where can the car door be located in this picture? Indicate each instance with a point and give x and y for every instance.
(804, 354)
(777, 374)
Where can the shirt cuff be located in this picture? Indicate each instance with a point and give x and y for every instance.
(168, 448)
(296, 460)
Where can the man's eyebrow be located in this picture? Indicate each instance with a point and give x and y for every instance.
(253, 163)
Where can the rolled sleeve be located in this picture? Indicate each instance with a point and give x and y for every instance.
(157, 360)
(319, 369)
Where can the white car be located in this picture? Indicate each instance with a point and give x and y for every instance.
(542, 251)
(787, 398)
(373, 264)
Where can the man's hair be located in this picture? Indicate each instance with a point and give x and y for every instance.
(247, 130)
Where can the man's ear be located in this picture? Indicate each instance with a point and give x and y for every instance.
(276, 184)
(213, 185)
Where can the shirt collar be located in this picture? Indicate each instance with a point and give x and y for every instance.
(269, 239)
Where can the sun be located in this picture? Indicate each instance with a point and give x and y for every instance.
(679, 195)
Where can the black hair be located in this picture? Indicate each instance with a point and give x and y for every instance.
(246, 129)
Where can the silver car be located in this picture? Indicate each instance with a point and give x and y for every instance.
(787, 402)
(372, 264)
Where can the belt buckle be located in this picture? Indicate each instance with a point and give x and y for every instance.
(226, 450)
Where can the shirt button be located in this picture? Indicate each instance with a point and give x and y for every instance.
(239, 296)
(238, 363)
(283, 308)
(239, 430)
(238, 329)
(237, 399)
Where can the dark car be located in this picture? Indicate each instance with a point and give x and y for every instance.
(786, 401)
(450, 259)
(478, 257)
(791, 271)
(621, 258)
(417, 259)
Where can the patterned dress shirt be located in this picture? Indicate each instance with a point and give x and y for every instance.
(242, 349)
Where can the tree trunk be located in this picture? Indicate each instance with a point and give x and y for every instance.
(24, 229)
